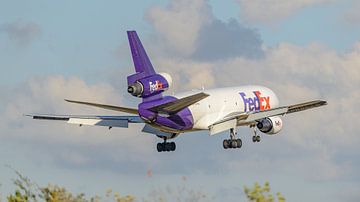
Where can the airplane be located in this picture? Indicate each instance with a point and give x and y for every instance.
(215, 110)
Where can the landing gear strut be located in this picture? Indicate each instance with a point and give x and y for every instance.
(232, 142)
(166, 146)
(256, 137)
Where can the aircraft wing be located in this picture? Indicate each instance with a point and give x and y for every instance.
(109, 121)
(104, 106)
(246, 118)
(284, 110)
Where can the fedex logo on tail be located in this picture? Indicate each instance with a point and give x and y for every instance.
(255, 103)
(155, 86)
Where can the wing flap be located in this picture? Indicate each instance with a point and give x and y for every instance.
(177, 105)
(104, 106)
(100, 122)
(235, 115)
(150, 129)
(220, 127)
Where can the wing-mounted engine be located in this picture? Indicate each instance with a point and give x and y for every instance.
(150, 85)
(270, 125)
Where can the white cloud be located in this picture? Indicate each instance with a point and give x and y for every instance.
(271, 11)
(179, 23)
(187, 74)
(189, 29)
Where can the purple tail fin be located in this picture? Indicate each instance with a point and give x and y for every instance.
(140, 58)
(145, 82)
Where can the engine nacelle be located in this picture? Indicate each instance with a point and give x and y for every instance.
(270, 125)
(151, 85)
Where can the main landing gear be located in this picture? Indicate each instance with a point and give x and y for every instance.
(166, 146)
(232, 142)
(256, 137)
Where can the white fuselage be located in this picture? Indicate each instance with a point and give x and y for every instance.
(223, 101)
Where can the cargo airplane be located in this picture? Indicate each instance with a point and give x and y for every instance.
(213, 110)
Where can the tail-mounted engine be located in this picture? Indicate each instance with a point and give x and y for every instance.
(151, 85)
(270, 125)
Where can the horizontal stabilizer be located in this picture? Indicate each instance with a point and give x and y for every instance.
(109, 107)
(177, 105)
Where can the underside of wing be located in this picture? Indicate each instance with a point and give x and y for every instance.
(109, 121)
(104, 106)
(177, 105)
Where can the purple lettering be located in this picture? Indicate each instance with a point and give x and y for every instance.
(251, 104)
(243, 95)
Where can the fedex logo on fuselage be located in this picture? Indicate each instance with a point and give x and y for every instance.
(255, 103)
(155, 86)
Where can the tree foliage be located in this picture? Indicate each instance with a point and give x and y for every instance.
(259, 193)
(28, 191)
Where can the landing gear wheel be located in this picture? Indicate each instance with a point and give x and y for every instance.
(166, 146)
(239, 143)
(256, 138)
(234, 144)
(159, 147)
(226, 144)
(172, 146)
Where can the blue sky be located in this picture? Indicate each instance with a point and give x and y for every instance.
(55, 50)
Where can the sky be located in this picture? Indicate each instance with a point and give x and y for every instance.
(302, 49)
